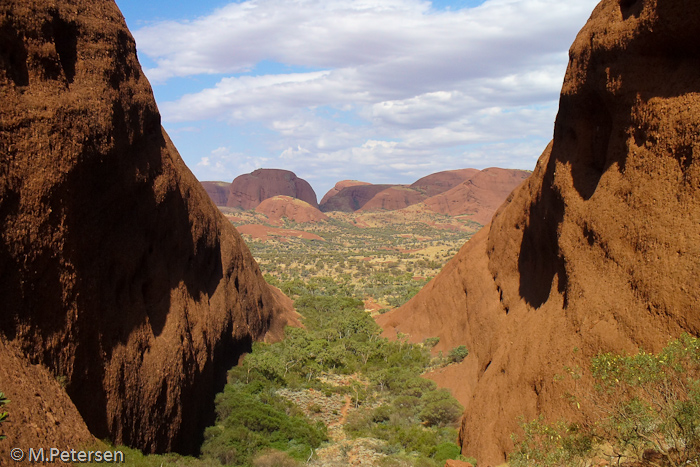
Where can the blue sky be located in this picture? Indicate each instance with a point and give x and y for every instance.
(384, 91)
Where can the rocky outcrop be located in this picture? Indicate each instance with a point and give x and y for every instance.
(217, 191)
(118, 276)
(249, 190)
(394, 198)
(351, 198)
(599, 250)
(440, 182)
(479, 196)
(295, 210)
(338, 188)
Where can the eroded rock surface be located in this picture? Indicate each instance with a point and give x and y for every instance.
(118, 276)
(599, 250)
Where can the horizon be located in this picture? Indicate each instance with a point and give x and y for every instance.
(382, 91)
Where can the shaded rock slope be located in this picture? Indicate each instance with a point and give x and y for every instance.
(119, 278)
(249, 190)
(217, 191)
(295, 210)
(599, 250)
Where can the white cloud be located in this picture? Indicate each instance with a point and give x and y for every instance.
(225, 164)
(408, 83)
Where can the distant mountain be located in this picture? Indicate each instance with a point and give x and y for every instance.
(217, 191)
(394, 198)
(453, 192)
(479, 196)
(295, 210)
(351, 198)
(249, 190)
(440, 182)
(338, 187)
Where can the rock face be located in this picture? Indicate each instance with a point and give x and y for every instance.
(338, 188)
(351, 198)
(295, 210)
(393, 198)
(217, 191)
(118, 276)
(479, 196)
(249, 190)
(599, 250)
(439, 182)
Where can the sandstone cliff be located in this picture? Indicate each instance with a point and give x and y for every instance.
(249, 190)
(118, 276)
(600, 249)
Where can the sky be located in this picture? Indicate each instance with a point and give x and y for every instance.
(383, 91)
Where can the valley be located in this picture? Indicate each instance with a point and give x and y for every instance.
(472, 317)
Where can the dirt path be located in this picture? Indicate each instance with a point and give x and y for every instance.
(343, 412)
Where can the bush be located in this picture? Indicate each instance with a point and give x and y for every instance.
(445, 451)
(274, 459)
(441, 413)
(458, 354)
(650, 413)
(3, 415)
(431, 342)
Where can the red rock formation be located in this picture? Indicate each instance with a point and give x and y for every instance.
(599, 250)
(295, 210)
(338, 188)
(393, 198)
(439, 182)
(117, 274)
(217, 191)
(352, 198)
(479, 196)
(249, 190)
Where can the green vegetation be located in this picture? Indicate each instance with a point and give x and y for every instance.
(389, 262)
(649, 414)
(335, 390)
(135, 458)
(389, 400)
(3, 415)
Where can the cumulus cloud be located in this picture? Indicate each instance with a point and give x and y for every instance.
(225, 164)
(389, 82)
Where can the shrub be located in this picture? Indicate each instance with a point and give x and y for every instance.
(274, 458)
(431, 342)
(458, 354)
(442, 412)
(650, 413)
(446, 451)
(3, 415)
